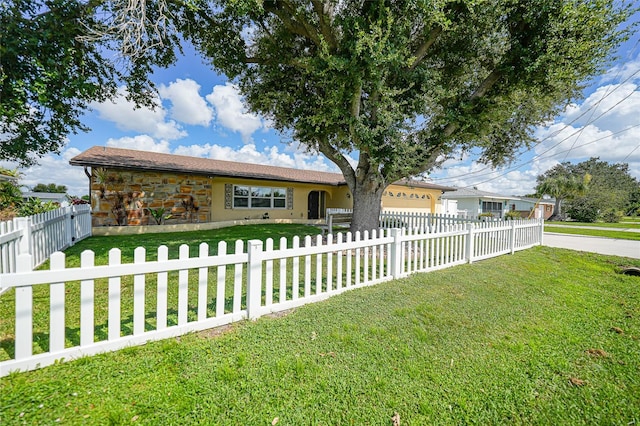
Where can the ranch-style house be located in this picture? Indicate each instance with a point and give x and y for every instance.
(129, 187)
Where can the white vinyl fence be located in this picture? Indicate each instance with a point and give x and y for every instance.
(117, 305)
(428, 221)
(42, 234)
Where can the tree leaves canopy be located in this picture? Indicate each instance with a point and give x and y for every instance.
(50, 187)
(610, 187)
(403, 84)
(407, 83)
(55, 59)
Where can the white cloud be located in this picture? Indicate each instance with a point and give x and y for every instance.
(250, 154)
(572, 137)
(140, 143)
(126, 116)
(613, 107)
(613, 138)
(187, 105)
(231, 112)
(627, 70)
(55, 169)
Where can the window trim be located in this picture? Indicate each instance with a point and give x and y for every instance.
(251, 189)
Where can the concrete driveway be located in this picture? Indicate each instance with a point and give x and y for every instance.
(610, 246)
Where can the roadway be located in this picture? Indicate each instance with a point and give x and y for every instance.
(609, 246)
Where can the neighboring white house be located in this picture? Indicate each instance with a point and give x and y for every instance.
(534, 208)
(55, 197)
(473, 202)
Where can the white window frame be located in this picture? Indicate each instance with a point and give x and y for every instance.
(253, 192)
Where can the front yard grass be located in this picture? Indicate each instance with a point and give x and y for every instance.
(629, 223)
(621, 235)
(545, 336)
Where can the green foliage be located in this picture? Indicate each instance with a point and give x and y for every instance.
(583, 210)
(611, 187)
(401, 85)
(10, 194)
(7, 172)
(406, 84)
(612, 216)
(32, 206)
(512, 215)
(12, 203)
(159, 215)
(52, 67)
(51, 187)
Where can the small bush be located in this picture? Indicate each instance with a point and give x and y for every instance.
(612, 216)
(512, 215)
(583, 211)
(35, 206)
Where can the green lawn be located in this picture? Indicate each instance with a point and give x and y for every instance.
(127, 244)
(622, 235)
(545, 336)
(627, 224)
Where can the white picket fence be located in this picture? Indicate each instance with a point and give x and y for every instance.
(431, 221)
(152, 300)
(412, 220)
(42, 234)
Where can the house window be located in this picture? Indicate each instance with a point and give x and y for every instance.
(259, 197)
(493, 207)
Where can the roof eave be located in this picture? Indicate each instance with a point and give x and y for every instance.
(96, 163)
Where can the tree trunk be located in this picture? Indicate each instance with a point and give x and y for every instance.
(367, 198)
(557, 213)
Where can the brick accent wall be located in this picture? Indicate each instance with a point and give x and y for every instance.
(127, 198)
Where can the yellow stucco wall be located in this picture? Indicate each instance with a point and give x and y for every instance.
(410, 199)
(334, 197)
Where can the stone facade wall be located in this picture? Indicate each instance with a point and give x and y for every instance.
(123, 197)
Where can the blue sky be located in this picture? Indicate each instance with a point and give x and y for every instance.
(201, 114)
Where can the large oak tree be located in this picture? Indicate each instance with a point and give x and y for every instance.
(399, 85)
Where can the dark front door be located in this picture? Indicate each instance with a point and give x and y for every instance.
(313, 203)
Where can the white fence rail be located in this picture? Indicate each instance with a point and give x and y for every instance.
(428, 221)
(42, 234)
(117, 305)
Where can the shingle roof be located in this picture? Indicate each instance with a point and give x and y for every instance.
(475, 193)
(538, 200)
(100, 156)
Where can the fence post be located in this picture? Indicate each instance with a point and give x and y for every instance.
(24, 312)
(69, 215)
(541, 222)
(254, 279)
(469, 249)
(513, 237)
(396, 253)
(25, 246)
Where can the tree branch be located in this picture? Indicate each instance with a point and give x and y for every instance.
(482, 90)
(333, 154)
(325, 12)
(421, 53)
(301, 28)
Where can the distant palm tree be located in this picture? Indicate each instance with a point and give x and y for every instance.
(562, 188)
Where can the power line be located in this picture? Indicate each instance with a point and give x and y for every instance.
(540, 156)
(555, 133)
